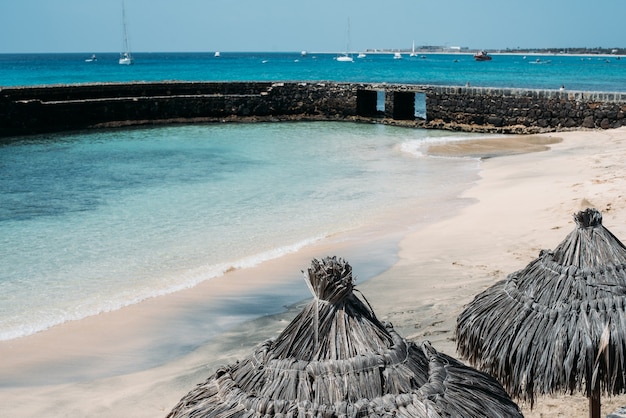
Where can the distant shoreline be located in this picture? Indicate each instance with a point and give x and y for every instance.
(489, 51)
(366, 51)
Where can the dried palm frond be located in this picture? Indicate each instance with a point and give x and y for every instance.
(337, 359)
(559, 324)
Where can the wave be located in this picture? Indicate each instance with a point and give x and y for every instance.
(94, 306)
(419, 147)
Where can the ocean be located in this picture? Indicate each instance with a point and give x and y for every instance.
(586, 73)
(94, 221)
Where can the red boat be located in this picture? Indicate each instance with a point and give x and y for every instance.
(482, 56)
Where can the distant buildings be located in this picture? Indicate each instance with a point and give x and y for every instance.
(420, 49)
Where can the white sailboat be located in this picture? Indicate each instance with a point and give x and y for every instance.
(346, 57)
(413, 54)
(126, 57)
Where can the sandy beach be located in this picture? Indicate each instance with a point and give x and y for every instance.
(528, 190)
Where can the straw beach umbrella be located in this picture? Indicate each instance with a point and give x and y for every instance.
(559, 324)
(336, 359)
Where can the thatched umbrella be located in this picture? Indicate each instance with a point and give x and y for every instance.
(336, 359)
(559, 324)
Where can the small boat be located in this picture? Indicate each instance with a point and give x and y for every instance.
(217, 54)
(125, 57)
(345, 58)
(397, 56)
(361, 55)
(540, 61)
(482, 56)
(93, 58)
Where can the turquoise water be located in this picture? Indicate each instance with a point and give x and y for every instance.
(594, 73)
(91, 222)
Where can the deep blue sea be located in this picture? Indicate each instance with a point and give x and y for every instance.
(588, 73)
(94, 221)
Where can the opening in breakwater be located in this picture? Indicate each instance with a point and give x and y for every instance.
(32, 110)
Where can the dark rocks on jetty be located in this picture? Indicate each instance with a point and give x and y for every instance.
(42, 109)
(526, 111)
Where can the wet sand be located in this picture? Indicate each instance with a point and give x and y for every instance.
(523, 202)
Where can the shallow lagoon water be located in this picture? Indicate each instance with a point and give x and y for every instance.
(94, 221)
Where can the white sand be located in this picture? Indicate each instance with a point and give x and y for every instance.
(523, 203)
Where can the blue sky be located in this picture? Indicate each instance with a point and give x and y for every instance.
(294, 25)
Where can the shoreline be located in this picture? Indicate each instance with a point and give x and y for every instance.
(114, 341)
(138, 337)
(521, 204)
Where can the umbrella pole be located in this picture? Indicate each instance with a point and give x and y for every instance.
(594, 401)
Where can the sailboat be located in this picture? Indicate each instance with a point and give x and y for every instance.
(346, 57)
(125, 57)
(413, 54)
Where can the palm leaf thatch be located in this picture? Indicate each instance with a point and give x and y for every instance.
(337, 359)
(559, 324)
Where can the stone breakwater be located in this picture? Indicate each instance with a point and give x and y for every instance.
(524, 111)
(44, 109)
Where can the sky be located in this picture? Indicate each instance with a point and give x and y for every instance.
(93, 26)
